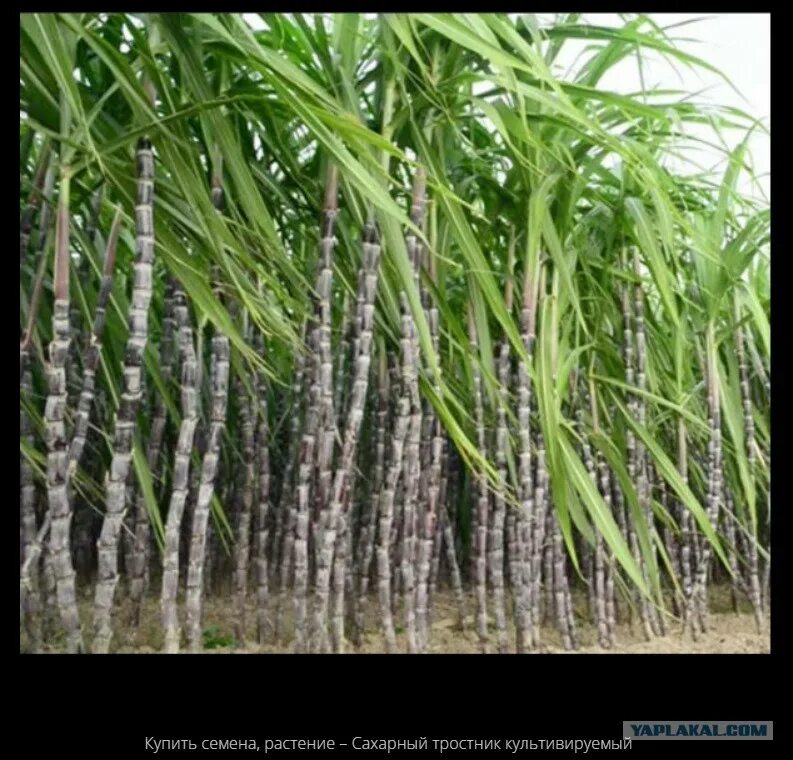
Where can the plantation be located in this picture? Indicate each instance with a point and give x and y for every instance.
(363, 332)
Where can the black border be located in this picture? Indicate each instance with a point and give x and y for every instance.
(106, 707)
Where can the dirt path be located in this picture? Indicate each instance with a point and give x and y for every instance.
(728, 632)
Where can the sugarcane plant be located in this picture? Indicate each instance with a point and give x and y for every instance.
(387, 328)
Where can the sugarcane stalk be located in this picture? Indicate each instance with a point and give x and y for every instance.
(301, 520)
(595, 469)
(94, 350)
(386, 506)
(611, 604)
(57, 444)
(411, 474)
(686, 541)
(699, 590)
(499, 509)
(209, 464)
(322, 389)
(728, 523)
(125, 418)
(634, 454)
(284, 539)
(748, 422)
(29, 592)
(28, 583)
(181, 471)
(219, 376)
(263, 504)
(343, 477)
(45, 220)
(142, 524)
(649, 614)
(242, 542)
(37, 193)
(482, 501)
(429, 517)
(541, 544)
(765, 589)
(435, 565)
(344, 353)
(528, 521)
(559, 587)
(369, 527)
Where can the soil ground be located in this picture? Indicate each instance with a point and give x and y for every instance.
(728, 632)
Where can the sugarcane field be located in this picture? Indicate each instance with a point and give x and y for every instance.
(389, 333)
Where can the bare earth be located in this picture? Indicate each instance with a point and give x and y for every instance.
(728, 632)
